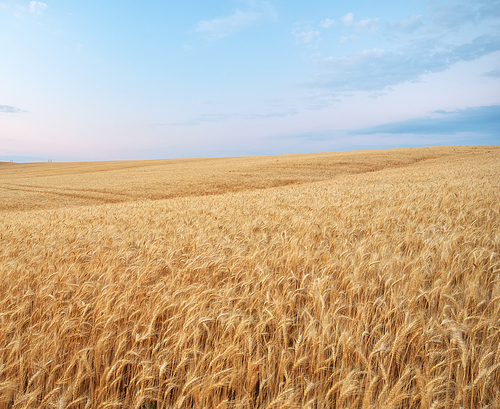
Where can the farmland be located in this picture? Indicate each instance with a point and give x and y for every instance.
(335, 280)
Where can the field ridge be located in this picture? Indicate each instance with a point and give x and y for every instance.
(51, 185)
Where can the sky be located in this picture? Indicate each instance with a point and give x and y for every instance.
(113, 80)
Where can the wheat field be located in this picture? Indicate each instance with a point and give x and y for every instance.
(336, 280)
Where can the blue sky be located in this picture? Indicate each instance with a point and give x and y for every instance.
(148, 80)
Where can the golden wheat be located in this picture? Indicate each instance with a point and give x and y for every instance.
(374, 286)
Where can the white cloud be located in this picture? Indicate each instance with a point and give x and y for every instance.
(348, 19)
(262, 6)
(37, 7)
(223, 26)
(482, 120)
(408, 25)
(343, 39)
(306, 36)
(367, 24)
(205, 118)
(377, 69)
(375, 95)
(455, 14)
(493, 74)
(220, 27)
(363, 23)
(280, 114)
(327, 23)
(7, 109)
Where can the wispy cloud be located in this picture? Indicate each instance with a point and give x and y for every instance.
(280, 114)
(327, 23)
(320, 101)
(343, 39)
(348, 19)
(205, 118)
(375, 95)
(7, 109)
(156, 125)
(367, 24)
(409, 48)
(37, 7)
(221, 27)
(460, 13)
(376, 69)
(483, 120)
(405, 26)
(212, 118)
(263, 6)
(306, 35)
(480, 124)
(314, 136)
(489, 8)
(493, 74)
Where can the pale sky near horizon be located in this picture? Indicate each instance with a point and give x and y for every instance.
(161, 79)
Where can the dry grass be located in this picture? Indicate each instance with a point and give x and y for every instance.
(366, 289)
